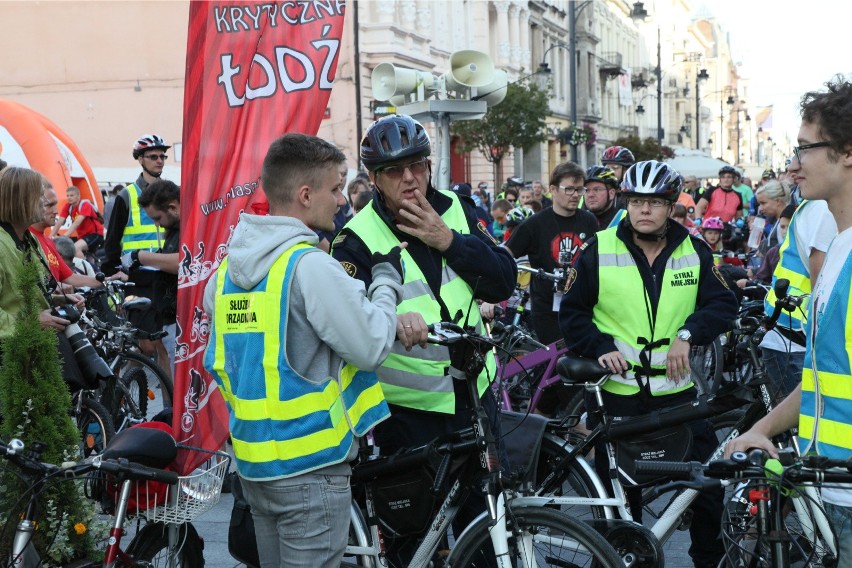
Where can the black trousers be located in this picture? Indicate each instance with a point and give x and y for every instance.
(705, 530)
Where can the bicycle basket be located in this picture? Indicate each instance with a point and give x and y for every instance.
(193, 494)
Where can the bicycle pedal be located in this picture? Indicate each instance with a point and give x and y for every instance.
(685, 521)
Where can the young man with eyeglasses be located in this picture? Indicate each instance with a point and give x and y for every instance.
(600, 199)
(131, 229)
(641, 295)
(450, 261)
(551, 239)
(821, 406)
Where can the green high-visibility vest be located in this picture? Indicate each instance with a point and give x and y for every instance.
(624, 311)
(140, 233)
(418, 378)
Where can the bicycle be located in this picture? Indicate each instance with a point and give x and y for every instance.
(776, 518)
(163, 500)
(512, 532)
(568, 480)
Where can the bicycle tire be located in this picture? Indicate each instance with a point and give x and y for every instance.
(151, 544)
(359, 535)
(548, 528)
(159, 387)
(95, 424)
(575, 479)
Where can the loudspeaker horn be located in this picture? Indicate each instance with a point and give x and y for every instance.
(469, 68)
(389, 80)
(494, 92)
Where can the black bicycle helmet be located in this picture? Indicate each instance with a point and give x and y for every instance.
(148, 142)
(652, 179)
(618, 155)
(729, 170)
(602, 174)
(393, 138)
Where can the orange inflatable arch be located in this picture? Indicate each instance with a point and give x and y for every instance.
(31, 140)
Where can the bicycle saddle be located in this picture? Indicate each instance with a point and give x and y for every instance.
(136, 303)
(579, 370)
(146, 446)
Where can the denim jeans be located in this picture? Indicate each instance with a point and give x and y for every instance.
(841, 522)
(784, 369)
(300, 522)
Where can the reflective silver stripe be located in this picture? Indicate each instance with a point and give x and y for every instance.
(658, 384)
(415, 381)
(658, 356)
(616, 259)
(447, 275)
(685, 261)
(436, 353)
(415, 289)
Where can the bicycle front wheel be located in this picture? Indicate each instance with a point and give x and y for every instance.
(145, 383)
(95, 425)
(537, 537)
(151, 545)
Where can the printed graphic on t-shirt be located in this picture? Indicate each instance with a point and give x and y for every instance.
(565, 246)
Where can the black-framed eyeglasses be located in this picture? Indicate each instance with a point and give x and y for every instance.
(797, 150)
(569, 189)
(417, 167)
(655, 203)
(155, 157)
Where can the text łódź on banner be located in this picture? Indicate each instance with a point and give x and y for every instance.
(253, 72)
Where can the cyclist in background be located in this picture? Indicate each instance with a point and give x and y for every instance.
(641, 295)
(721, 201)
(618, 159)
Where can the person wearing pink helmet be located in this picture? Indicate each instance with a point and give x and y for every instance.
(711, 230)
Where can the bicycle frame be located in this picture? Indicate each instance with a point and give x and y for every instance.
(523, 366)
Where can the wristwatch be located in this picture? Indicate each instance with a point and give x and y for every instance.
(684, 335)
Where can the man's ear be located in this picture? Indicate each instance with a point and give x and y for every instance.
(303, 196)
(174, 207)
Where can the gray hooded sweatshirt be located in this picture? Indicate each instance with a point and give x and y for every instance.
(331, 318)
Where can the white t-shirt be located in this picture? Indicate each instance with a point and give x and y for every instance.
(838, 252)
(814, 229)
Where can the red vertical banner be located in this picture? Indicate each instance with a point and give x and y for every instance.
(254, 70)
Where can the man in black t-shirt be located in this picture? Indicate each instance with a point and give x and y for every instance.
(551, 239)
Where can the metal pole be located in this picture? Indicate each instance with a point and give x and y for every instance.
(572, 42)
(737, 161)
(721, 126)
(697, 114)
(659, 94)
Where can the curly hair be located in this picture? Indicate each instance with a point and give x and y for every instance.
(831, 112)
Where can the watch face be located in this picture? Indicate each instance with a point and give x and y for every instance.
(684, 335)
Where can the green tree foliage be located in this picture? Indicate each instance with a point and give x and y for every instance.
(35, 405)
(517, 122)
(647, 149)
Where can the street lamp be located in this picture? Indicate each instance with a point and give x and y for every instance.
(702, 75)
(639, 13)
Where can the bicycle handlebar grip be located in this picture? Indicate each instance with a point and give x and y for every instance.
(676, 470)
(137, 471)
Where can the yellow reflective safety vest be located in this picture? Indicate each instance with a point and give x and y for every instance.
(624, 312)
(140, 233)
(796, 269)
(619, 215)
(418, 378)
(827, 394)
(281, 424)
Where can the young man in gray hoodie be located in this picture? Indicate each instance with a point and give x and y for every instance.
(290, 363)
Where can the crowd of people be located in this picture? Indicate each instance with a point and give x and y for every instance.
(652, 262)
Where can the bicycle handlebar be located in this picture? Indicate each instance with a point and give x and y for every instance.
(14, 451)
(556, 276)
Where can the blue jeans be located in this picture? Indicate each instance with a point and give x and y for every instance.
(784, 369)
(300, 522)
(841, 522)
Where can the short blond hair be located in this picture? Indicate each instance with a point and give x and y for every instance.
(21, 192)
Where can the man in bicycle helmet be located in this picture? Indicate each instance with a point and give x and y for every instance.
(643, 293)
(131, 229)
(721, 201)
(618, 159)
(450, 261)
(600, 199)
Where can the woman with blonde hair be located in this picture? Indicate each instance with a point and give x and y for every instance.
(772, 198)
(21, 192)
